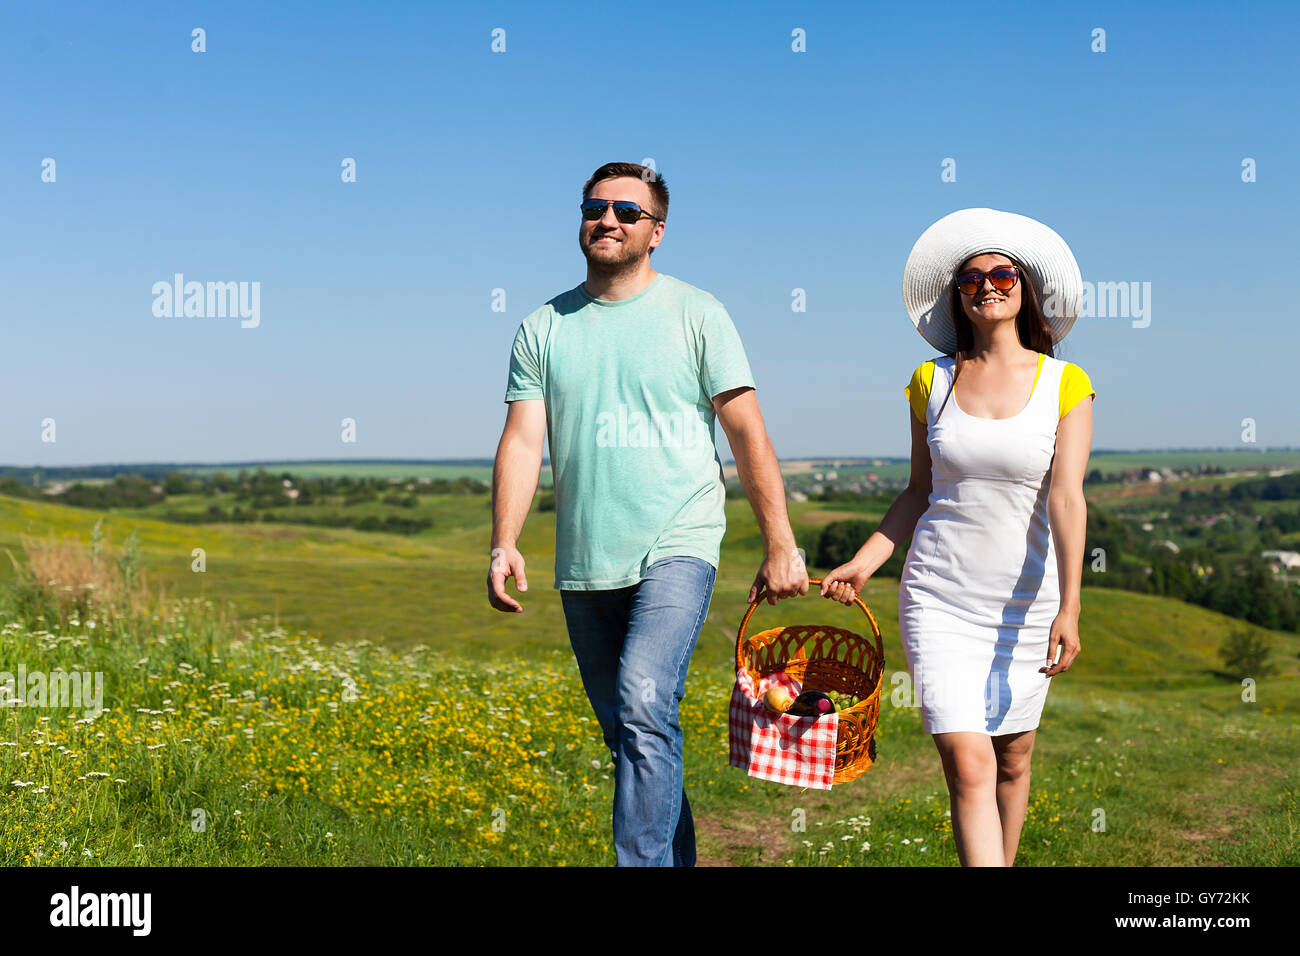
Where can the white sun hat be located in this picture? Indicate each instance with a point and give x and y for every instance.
(934, 260)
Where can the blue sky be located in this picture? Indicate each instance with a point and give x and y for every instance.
(813, 170)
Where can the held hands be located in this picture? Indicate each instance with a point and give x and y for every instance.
(506, 562)
(845, 583)
(782, 574)
(1065, 635)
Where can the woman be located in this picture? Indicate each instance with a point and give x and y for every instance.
(988, 603)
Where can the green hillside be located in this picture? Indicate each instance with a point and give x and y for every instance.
(1145, 729)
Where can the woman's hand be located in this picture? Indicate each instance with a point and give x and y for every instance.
(1064, 634)
(845, 583)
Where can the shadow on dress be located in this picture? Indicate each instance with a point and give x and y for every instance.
(997, 687)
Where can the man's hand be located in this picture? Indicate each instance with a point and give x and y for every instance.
(506, 562)
(782, 574)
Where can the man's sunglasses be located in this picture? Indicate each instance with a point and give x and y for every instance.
(1002, 278)
(624, 211)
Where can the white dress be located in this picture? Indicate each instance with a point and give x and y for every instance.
(979, 589)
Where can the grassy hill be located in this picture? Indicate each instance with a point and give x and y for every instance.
(1145, 732)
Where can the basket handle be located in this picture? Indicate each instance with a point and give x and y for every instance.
(740, 637)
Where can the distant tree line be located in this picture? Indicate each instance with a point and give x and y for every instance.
(1241, 583)
(1281, 488)
(396, 524)
(257, 493)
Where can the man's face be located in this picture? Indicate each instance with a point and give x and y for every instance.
(613, 245)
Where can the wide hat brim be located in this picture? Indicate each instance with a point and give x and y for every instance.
(934, 260)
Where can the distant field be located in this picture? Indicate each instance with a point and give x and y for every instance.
(1287, 458)
(886, 470)
(483, 472)
(1107, 462)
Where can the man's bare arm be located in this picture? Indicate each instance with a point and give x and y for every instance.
(514, 482)
(760, 475)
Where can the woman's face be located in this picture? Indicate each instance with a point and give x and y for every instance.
(988, 305)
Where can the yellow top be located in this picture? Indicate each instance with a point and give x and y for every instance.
(1075, 385)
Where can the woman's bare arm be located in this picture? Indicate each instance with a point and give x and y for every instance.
(843, 583)
(1067, 511)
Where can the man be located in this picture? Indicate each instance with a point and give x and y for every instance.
(627, 372)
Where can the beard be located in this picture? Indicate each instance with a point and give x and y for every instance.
(624, 257)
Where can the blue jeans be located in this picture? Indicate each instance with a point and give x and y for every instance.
(633, 647)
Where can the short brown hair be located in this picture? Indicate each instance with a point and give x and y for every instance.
(651, 177)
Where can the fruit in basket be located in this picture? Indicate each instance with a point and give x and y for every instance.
(811, 703)
(777, 699)
(842, 701)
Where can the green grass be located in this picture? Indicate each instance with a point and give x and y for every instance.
(228, 746)
(1144, 728)
(1184, 771)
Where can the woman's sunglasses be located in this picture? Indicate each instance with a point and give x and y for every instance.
(1002, 278)
(624, 211)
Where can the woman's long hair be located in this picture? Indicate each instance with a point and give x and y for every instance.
(1031, 327)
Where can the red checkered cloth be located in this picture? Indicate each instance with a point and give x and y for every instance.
(799, 751)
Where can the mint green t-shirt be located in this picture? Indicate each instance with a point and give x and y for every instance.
(628, 387)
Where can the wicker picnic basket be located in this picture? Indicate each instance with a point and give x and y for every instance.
(826, 659)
